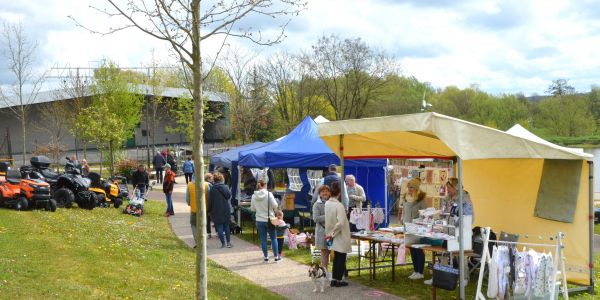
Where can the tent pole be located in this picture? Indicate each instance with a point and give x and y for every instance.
(239, 195)
(385, 195)
(342, 178)
(461, 258)
(591, 224)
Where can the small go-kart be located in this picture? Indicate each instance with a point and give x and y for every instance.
(20, 192)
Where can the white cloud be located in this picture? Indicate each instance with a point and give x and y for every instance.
(501, 45)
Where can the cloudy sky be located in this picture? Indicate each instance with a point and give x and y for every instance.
(503, 46)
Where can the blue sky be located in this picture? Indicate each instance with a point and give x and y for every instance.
(501, 46)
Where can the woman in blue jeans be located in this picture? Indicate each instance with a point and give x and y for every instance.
(264, 204)
(219, 207)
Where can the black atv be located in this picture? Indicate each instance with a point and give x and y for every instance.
(67, 187)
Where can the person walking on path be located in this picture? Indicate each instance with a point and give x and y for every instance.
(190, 198)
(219, 208)
(171, 161)
(140, 180)
(318, 211)
(264, 204)
(188, 169)
(338, 232)
(159, 163)
(168, 183)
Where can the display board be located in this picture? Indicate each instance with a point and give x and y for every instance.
(433, 174)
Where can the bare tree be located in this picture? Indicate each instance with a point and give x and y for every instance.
(19, 53)
(184, 25)
(76, 87)
(54, 120)
(248, 101)
(350, 73)
(294, 91)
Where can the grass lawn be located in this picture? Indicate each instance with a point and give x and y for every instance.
(104, 254)
(403, 287)
(597, 228)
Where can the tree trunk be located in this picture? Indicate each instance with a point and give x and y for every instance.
(197, 141)
(101, 160)
(24, 136)
(112, 158)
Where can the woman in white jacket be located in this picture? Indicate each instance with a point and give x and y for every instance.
(264, 204)
(338, 230)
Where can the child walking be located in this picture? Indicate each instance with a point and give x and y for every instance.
(281, 227)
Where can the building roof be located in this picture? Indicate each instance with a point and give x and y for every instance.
(60, 94)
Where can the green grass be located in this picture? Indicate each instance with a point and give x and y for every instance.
(104, 254)
(597, 228)
(402, 287)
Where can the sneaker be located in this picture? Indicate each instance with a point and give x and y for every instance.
(277, 259)
(222, 246)
(333, 283)
(416, 276)
(266, 260)
(428, 281)
(228, 245)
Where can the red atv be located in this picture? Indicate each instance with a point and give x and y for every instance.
(24, 193)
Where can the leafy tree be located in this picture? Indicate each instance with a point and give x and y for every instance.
(401, 95)
(566, 116)
(114, 112)
(349, 72)
(560, 87)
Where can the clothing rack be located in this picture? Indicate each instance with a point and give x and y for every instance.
(370, 209)
(558, 262)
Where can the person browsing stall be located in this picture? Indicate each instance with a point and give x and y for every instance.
(413, 201)
(318, 211)
(337, 229)
(264, 204)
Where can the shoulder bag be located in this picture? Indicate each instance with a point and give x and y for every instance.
(445, 276)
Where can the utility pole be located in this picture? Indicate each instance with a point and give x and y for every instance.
(147, 123)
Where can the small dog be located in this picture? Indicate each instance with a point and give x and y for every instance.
(318, 276)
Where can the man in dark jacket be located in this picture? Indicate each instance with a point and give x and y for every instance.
(219, 208)
(159, 162)
(140, 180)
(171, 161)
(332, 176)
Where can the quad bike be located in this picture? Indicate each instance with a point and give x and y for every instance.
(22, 193)
(67, 187)
(106, 192)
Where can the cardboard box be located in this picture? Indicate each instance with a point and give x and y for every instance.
(288, 202)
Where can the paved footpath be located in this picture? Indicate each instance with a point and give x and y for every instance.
(287, 278)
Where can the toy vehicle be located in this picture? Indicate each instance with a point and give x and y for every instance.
(106, 192)
(66, 188)
(24, 193)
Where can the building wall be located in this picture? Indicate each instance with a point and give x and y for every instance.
(39, 134)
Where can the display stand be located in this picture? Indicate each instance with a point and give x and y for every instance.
(560, 277)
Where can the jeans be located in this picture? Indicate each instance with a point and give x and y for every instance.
(159, 175)
(188, 177)
(169, 202)
(262, 229)
(141, 190)
(280, 245)
(339, 265)
(418, 260)
(223, 231)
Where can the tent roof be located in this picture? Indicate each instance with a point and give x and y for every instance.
(301, 148)
(521, 131)
(225, 159)
(432, 135)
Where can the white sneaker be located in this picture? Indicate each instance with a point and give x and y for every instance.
(417, 276)
(412, 275)
(428, 281)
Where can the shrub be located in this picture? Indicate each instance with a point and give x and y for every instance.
(126, 167)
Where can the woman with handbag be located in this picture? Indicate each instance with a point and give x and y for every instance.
(219, 208)
(264, 204)
(337, 230)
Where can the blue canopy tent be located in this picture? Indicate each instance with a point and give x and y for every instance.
(371, 175)
(229, 159)
(302, 148)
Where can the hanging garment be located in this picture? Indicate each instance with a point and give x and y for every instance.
(550, 274)
(503, 269)
(379, 215)
(492, 290)
(371, 222)
(520, 284)
(531, 264)
(354, 216)
(539, 282)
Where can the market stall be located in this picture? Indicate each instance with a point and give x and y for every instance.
(516, 185)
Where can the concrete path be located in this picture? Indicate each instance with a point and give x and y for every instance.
(596, 243)
(287, 278)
